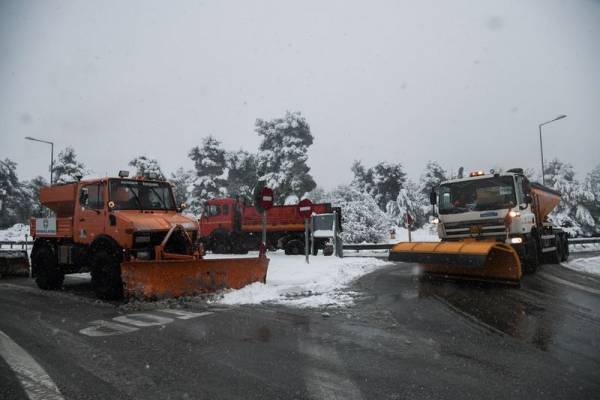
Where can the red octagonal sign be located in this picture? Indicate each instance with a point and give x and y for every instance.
(266, 198)
(305, 208)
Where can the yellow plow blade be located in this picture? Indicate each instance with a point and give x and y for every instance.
(161, 279)
(469, 259)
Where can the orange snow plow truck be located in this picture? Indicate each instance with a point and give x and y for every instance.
(132, 238)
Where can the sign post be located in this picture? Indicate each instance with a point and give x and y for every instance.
(265, 202)
(409, 222)
(305, 210)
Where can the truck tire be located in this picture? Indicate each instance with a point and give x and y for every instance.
(565, 246)
(48, 275)
(106, 273)
(554, 257)
(294, 247)
(532, 260)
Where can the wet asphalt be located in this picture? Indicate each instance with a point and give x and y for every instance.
(405, 338)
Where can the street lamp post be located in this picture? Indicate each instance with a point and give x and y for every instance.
(51, 154)
(541, 146)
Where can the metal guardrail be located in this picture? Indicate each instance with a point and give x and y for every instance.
(15, 244)
(387, 246)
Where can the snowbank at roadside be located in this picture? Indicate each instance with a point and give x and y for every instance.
(589, 265)
(15, 232)
(292, 282)
(427, 233)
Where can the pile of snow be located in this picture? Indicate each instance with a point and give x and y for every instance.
(292, 282)
(589, 265)
(15, 232)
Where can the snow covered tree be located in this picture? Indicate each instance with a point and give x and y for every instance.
(242, 174)
(66, 167)
(410, 200)
(15, 204)
(363, 221)
(208, 181)
(363, 177)
(388, 179)
(433, 175)
(382, 182)
(145, 166)
(571, 211)
(283, 153)
(182, 185)
(32, 189)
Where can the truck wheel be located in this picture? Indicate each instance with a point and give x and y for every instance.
(48, 275)
(555, 256)
(106, 274)
(532, 260)
(565, 246)
(294, 247)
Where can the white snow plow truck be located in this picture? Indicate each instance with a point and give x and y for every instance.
(491, 226)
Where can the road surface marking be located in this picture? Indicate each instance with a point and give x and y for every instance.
(106, 328)
(143, 320)
(180, 314)
(573, 285)
(35, 381)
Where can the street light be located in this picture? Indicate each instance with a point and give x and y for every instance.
(542, 148)
(51, 153)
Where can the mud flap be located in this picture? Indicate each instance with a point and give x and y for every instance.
(473, 260)
(174, 278)
(14, 263)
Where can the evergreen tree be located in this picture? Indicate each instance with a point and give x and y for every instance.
(433, 175)
(209, 163)
(15, 204)
(363, 177)
(283, 154)
(182, 185)
(242, 174)
(388, 179)
(411, 200)
(146, 166)
(363, 220)
(66, 167)
(32, 189)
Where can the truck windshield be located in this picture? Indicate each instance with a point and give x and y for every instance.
(477, 195)
(141, 195)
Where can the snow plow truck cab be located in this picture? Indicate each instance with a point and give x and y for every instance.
(131, 236)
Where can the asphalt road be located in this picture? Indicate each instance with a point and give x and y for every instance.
(406, 338)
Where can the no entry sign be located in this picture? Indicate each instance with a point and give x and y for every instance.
(305, 208)
(266, 198)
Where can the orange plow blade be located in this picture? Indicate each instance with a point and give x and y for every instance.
(161, 279)
(14, 263)
(469, 259)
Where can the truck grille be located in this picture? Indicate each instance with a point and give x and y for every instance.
(475, 229)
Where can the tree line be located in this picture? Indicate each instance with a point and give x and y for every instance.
(377, 198)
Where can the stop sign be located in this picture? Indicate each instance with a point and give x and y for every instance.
(305, 208)
(266, 198)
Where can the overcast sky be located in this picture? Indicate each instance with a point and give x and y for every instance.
(460, 82)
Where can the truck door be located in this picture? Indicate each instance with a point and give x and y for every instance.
(90, 216)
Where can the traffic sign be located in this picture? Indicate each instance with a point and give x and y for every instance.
(305, 208)
(266, 198)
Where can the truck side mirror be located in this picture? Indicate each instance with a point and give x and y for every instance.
(83, 197)
(433, 198)
(528, 199)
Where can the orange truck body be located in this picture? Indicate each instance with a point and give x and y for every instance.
(231, 226)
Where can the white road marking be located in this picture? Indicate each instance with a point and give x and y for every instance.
(180, 314)
(143, 320)
(35, 381)
(106, 328)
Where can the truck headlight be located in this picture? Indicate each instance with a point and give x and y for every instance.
(435, 220)
(516, 240)
(513, 214)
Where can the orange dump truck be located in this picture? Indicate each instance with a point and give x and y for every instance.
(131, 236)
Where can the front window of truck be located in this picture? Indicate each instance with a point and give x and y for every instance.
(477, 195)
(129, 194)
